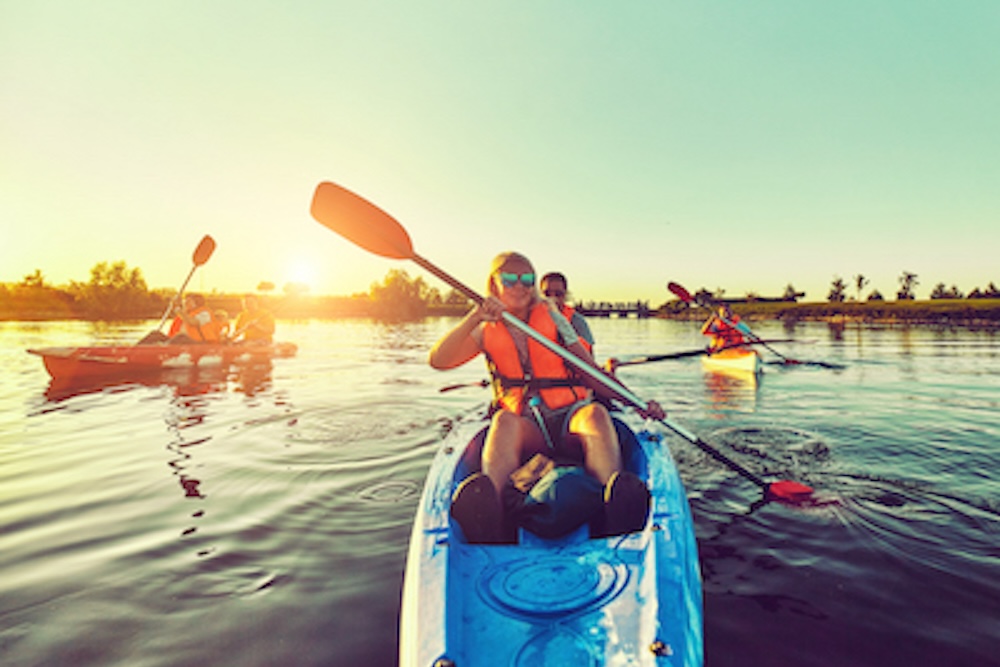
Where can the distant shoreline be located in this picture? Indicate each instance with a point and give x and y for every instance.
(947, 312)
(942, 312)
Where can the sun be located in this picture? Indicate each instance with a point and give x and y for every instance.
(302, 272)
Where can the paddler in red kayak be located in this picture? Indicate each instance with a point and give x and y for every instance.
(540, 406)
(194, 323)
(725, 329)
(255, 324)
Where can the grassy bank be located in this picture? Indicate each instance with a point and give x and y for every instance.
(957, 312)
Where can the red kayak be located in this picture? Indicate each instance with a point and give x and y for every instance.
(92, 362)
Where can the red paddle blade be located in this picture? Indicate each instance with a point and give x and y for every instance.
(203, 251)
(360, 221)
(680, 292)
(787, 490)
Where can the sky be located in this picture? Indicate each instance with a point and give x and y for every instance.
(736, 146)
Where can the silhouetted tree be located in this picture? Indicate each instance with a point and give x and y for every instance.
(115, 292)
(941, 292)
(907, 282)
(837, 289)
(399, 297)
(791, 294)
(34, 280)
(859, 284)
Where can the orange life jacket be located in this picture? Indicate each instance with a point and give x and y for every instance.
(723, 334)
(210, 332)
(568, 312)
(548, 375)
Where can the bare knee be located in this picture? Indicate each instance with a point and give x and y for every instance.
(592, 418)
(503, 448)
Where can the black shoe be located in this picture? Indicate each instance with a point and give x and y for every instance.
(626, 506)
(476, 507)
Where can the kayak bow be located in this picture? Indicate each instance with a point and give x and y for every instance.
(631, 599)
(64, 363)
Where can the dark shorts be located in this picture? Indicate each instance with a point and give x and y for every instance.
(556, 425)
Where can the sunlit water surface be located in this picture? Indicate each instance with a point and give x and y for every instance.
(261, 516)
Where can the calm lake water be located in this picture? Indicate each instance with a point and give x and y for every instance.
(261, 517)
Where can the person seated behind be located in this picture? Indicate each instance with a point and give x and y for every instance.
(723, 327)
(540, 403)
(255, 324)
(221, 318)
(194, 323)
(555, 287)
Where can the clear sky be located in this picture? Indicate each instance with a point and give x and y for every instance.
(733, 145)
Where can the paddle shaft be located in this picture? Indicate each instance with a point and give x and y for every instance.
(173, 302)
(595, 374)
(673, 355)
(201, 254)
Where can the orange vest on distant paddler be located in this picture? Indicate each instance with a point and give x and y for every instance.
(724, 334)
(548, 376)
(210, 332)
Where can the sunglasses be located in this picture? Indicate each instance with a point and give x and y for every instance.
(555, 293)
(511, 279)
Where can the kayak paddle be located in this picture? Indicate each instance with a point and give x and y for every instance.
(675, 355)
(201, 255)
(686, 297)
(371, 228)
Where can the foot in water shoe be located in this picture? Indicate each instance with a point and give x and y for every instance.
(476, 507)
(626, 505)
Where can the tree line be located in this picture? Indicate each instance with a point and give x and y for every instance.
(908, 282)
(840, 291)
(115, 291)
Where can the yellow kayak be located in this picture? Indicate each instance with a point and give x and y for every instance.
(742, 359)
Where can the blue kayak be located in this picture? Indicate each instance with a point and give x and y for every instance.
(577, 601)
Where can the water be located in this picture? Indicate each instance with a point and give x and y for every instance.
(261, 517)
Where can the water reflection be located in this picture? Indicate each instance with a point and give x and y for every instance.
(731, 390)
(249, 380)
(190, 392)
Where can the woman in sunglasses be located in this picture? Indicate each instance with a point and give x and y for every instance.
(541, 406)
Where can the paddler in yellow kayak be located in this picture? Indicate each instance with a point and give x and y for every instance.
(725, 329)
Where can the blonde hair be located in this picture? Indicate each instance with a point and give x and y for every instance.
(497, 265)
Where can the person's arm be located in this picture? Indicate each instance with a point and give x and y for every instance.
(579, 323)
(264, 323)
(460, 345)
(652, 408)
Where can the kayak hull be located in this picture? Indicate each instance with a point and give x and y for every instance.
(634, 599)
(739, 359)
(81, 363)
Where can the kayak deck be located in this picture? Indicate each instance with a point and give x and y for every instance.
(631, 600)
(738, 359)
(103, 361)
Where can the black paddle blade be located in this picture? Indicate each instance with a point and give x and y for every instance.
(680, 292)
(360, 222)
(203, 251)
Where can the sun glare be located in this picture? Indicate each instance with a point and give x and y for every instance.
(303, 272)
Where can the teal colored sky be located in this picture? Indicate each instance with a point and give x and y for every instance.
(733, 145)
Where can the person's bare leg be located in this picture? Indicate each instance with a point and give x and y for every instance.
(601, 451)
(510, 440)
